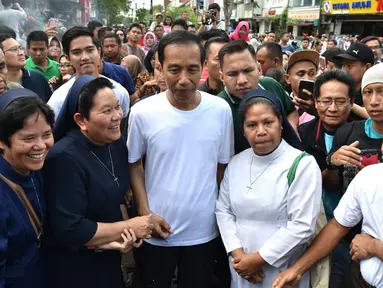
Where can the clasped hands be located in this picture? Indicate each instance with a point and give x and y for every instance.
(248, 266)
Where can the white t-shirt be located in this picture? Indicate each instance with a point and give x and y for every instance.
(363, 199)
(182, 151)
(220, 25)
(58, 97)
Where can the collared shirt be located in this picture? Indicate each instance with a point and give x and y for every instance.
(36, 82)
(206, 88)
(119, 74)
(52, 69)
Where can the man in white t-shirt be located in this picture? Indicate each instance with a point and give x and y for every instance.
(363, 199)
(186, 137)
(80, 46)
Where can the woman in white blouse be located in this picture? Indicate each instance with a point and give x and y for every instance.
(265, 222)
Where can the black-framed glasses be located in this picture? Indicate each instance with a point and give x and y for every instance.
(65, 65)
(327, 102)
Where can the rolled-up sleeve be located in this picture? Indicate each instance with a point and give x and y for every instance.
(225, 216)
(67, 200)
(303, 205)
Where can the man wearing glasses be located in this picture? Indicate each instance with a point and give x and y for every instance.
(15, 61)
(334, 94)
(376, 47)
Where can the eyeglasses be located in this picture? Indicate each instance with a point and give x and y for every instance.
(65, 65)
(338, 102)
(15, 49)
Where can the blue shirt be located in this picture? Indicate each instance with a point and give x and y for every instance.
(287, 48)
(119, 74)
(370, 131)
(36, 82)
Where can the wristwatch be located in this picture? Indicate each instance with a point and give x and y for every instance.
(329, 165)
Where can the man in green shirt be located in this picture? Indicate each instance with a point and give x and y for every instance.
(37, 45)
(240, 74)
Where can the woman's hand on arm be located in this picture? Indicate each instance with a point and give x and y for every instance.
(127, 242)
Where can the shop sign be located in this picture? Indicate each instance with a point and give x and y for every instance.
(353, 7)
(304, 15)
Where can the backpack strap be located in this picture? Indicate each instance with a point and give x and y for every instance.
(294, 167)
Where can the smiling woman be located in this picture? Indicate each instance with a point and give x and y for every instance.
(25, 139)
(86, 180)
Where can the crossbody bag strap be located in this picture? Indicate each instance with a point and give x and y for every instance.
(33, 217)
(294, 167)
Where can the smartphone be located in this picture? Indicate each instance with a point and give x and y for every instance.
(306, 85)
(53, 23)
(370, 156)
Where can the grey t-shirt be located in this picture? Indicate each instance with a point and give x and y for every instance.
(11, 17)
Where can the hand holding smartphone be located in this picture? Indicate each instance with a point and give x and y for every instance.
(307, 85)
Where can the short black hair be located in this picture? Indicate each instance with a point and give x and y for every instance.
(6, 3)
(14, 116)
(4, 37)
(180, 22)
(88, 92)
(179, 37)
(284, 33)
(135, 25)
(330, 55)
(159, 15)
(317, 42)
(336, 43)
(371, 38)
(148, 59)
(7, 30)
(37, 36)
(113, 36)
(103, 31)
(306, 39)
(271, 32)
(335, 75)
(274, 50)
(142, 23)
(235, 46)
(220, 39)
(206, 35)
(73, 33)
(214, 6)
(162, 27)
(93, 24)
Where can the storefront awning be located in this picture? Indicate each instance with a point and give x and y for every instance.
(305, 24)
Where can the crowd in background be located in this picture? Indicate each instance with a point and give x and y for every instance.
(229, 159)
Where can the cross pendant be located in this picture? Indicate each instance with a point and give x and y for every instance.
(116, 180)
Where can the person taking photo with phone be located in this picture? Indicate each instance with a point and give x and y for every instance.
(212, 19)
(302, 68)
(334, 94)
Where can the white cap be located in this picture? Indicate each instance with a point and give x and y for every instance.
(373, 75)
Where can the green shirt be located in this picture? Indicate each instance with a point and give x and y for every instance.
(266, 83)
(53, 68)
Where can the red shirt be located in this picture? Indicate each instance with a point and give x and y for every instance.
(204, 75)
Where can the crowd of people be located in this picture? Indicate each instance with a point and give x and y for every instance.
(230, 160)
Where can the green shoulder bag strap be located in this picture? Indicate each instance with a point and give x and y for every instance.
(294, 167)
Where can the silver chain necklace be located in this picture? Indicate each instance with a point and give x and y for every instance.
(115, 179)
(41, 210)
(252, 182)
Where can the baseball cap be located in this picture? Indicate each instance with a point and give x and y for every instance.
(305, 55)
(358, 52)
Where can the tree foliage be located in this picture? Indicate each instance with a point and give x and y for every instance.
(175, 12)
(142, 15)
(113, 9)
(280, 21)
